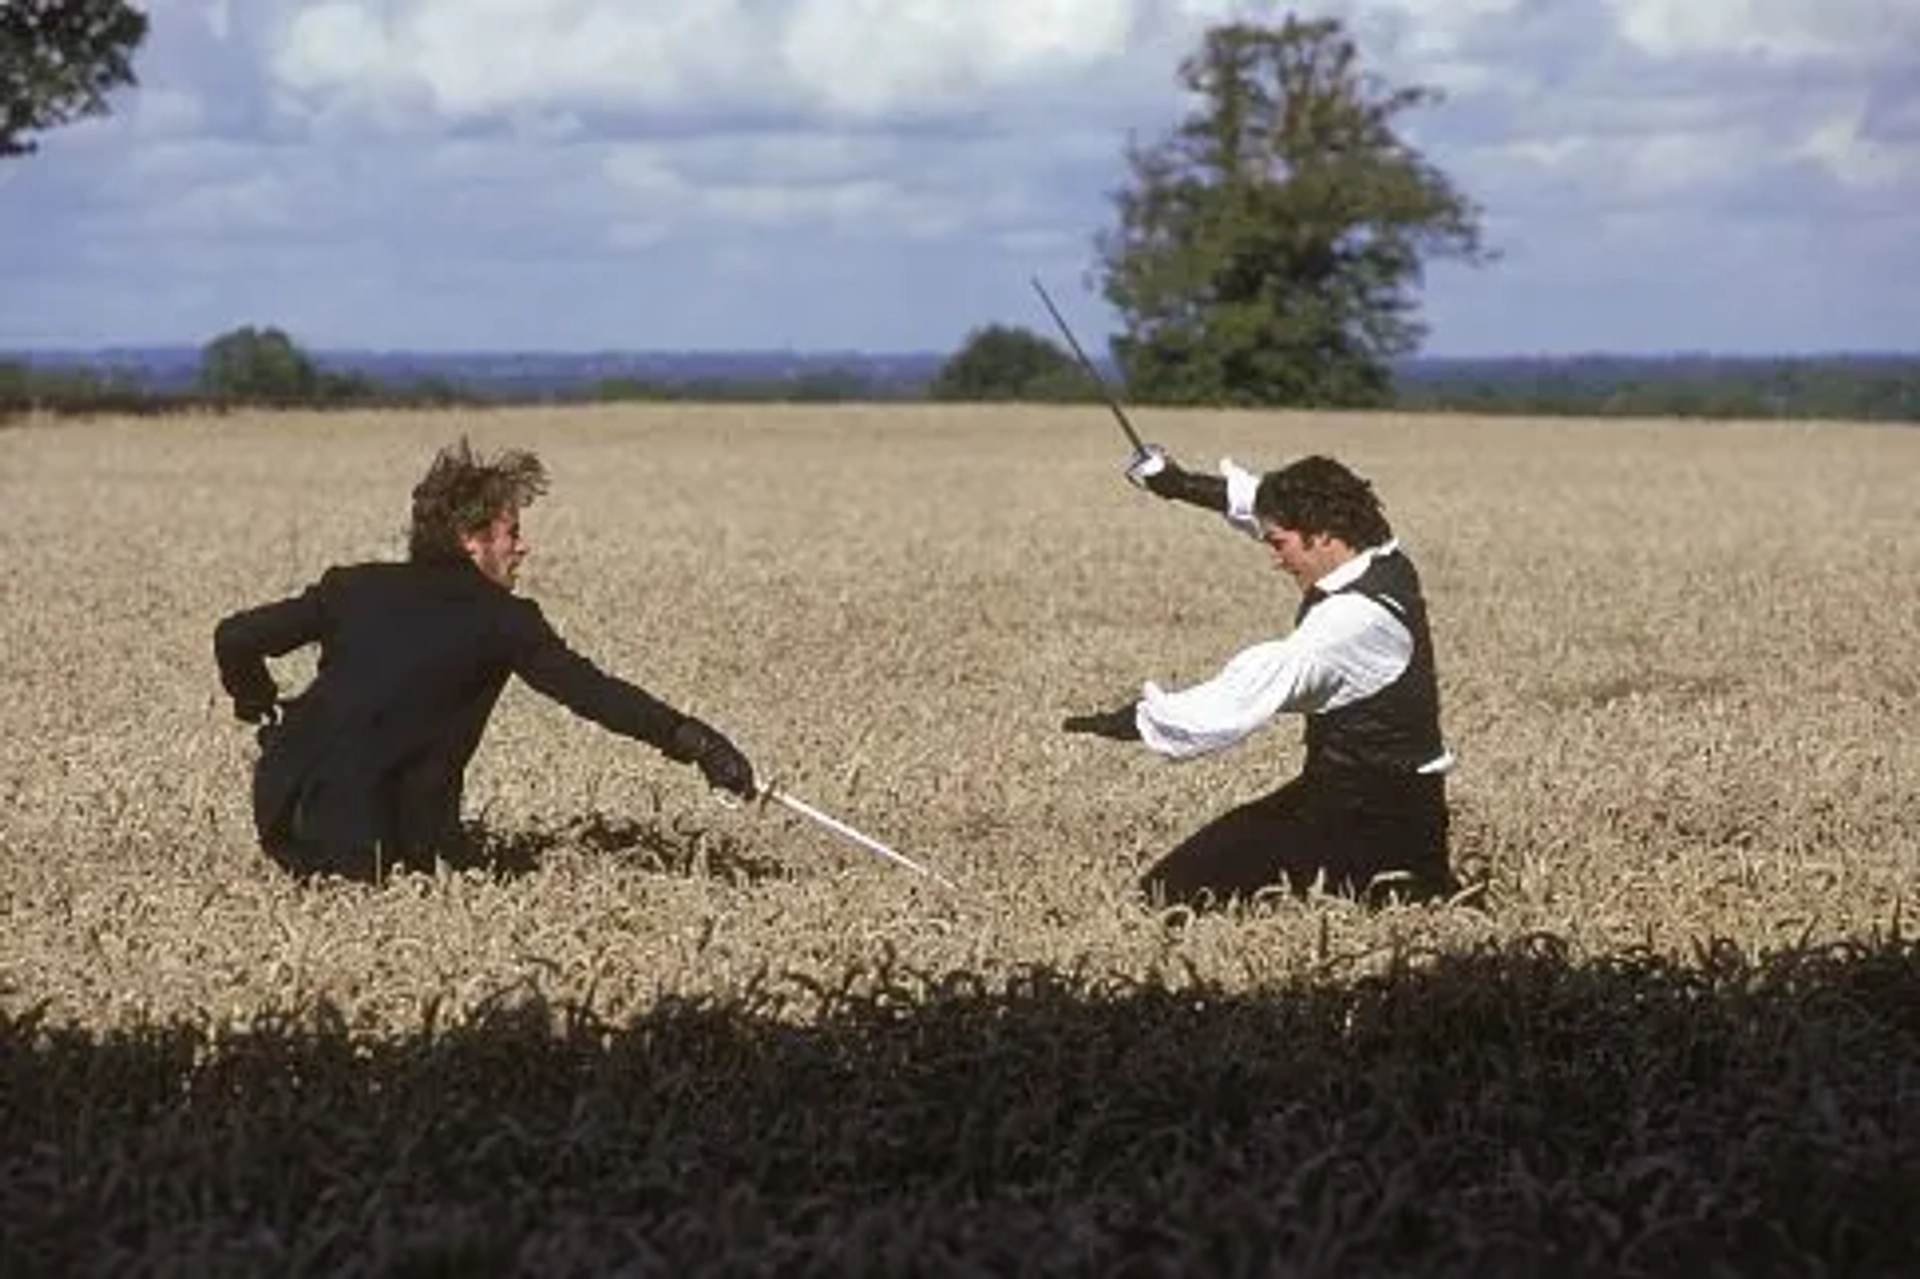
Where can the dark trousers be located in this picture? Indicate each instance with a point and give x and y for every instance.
(1365, 837)
(416, 823)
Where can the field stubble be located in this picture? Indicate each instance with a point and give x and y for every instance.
(1676, 660)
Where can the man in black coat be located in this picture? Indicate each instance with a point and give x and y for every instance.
(363, 771)
(1367, 816)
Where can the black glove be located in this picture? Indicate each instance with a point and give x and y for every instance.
(718, 759)
(1117, 724)
(257, 710)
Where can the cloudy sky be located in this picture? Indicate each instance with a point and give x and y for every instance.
(1739, 176)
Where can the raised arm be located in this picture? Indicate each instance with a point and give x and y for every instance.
(1229, 493)
(1155, 471)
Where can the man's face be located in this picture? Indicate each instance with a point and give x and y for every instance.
(1305, 558)
(498, 548)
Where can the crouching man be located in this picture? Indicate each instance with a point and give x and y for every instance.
(363, 771)
(1367, 816)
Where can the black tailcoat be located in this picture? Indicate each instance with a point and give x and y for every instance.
(412, 659)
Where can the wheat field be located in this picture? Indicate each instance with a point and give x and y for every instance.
(1678, 666)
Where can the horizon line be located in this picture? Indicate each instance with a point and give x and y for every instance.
(927, 353)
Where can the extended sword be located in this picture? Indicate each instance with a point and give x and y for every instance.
(794, 804)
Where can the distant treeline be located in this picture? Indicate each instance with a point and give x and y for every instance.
(77, 391)
(1859, 388)
(71, 392)
(1863, 388)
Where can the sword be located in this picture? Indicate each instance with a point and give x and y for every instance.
(1113, 402)
(769, 791)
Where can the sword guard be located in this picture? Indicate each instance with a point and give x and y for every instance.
(1147, 461)
(762, 790)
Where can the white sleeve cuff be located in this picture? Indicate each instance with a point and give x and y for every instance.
(1242, 484)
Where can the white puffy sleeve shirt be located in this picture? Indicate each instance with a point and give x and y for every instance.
(1347, 648)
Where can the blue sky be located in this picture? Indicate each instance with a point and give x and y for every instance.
(1737, 176)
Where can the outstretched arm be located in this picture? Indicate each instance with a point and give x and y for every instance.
(1348, 648)
(549, 666)
(552, 668)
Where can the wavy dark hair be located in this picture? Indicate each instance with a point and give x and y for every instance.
(1319, 495)
(463, 492)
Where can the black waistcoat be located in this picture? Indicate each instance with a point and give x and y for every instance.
(1398, 728)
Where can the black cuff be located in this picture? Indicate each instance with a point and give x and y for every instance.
(1120, 724)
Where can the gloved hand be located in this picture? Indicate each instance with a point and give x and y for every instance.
(718, 759)
(1155, 471)
(1119, 724)
(257, 710)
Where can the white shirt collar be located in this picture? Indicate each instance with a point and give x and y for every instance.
(1347, 573)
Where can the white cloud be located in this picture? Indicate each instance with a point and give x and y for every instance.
(871, 57)
(555, 67)
(538, 170)
(872, 187)
(1860, 162)
(1636, 170)
(859, 58)
(1870, 31)
(768, 205)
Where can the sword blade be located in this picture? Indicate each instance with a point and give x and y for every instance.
(1106, 392)
(845, 831)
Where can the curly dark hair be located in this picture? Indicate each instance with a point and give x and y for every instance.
(463, 493)
(1319, 495)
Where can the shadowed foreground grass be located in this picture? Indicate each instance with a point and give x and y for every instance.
(1506, 1111)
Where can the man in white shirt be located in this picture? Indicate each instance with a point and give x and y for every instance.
(1367, 816)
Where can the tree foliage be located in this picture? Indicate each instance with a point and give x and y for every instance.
(1006, 362)
(58, 61)
(1268, 250)
(258, 364)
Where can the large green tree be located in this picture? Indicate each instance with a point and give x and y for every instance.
(1270, 247)
(58, 61)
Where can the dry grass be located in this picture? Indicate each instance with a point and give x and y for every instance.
(1677, 666)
